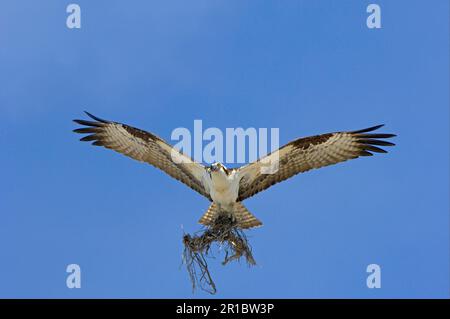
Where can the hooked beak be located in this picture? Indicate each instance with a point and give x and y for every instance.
(215, 167)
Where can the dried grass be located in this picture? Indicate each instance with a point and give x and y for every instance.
(197, 249)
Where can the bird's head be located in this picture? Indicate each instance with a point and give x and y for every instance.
(216, 167)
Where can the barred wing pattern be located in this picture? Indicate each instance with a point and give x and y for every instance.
(145, 147)
(304, 154)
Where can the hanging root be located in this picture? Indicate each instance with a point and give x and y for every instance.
(225, 233)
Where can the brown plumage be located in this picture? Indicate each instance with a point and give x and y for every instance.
(307, 153)
(145, 147)
(298, 156)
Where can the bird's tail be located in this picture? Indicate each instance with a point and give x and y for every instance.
(244, 218)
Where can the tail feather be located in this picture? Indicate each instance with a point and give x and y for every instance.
(209, 217)
(244, 218)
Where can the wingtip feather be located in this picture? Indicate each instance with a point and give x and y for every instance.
(369, 129)
(95, 117)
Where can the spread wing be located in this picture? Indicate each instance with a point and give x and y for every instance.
(145, 147)
(304, 154)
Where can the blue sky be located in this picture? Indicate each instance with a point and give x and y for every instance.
(305, 67)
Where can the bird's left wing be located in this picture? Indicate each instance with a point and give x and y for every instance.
(145, 147)
(307, 153)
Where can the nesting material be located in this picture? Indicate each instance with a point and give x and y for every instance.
(197, 248)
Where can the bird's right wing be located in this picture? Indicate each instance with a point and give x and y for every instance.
(145, 147)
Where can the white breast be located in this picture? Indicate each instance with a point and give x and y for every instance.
(223, 188)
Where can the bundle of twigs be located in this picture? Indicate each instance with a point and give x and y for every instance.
(228, 236)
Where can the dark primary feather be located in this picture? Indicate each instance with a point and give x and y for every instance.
(369, 129)
(96, 118)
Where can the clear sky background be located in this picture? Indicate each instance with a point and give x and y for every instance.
(305, 67)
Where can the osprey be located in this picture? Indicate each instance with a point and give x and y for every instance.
(227, 188)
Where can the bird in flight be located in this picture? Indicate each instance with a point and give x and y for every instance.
(227, 188)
